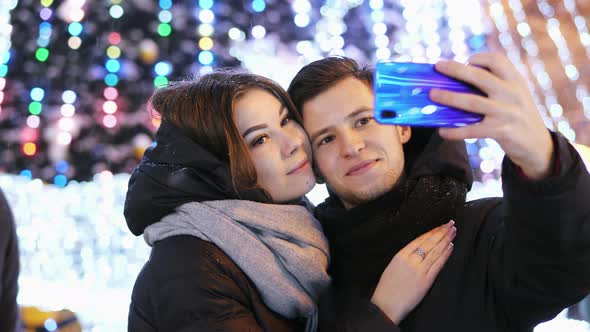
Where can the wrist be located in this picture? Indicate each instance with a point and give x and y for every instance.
(539, 165)
(388, 309)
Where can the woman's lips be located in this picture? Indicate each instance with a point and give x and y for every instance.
(299, 167)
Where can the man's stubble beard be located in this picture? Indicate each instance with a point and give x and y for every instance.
(390, 180)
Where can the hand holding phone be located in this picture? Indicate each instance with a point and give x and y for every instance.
(402, 96)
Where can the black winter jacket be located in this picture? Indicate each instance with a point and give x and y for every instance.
(9, 269)
(189, 284)
(517, 260)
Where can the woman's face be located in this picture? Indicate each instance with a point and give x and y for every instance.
(278, 145)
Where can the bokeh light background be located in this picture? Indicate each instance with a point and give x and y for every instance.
(75, 76)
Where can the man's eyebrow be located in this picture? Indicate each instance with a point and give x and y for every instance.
(349, 116)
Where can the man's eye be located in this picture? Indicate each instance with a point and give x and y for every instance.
(326, 140)
(364, 121)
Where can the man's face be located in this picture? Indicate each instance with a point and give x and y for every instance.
(358, 158)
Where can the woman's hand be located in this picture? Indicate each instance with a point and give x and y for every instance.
(410, 274)
(510, 114)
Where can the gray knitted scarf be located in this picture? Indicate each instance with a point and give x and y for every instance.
(280, 247)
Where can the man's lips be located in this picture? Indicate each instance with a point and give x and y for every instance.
(304, 163)
(362, 167)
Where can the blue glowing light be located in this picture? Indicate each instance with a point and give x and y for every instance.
(59, 180)
(50, 324)
(27, 174)
(477, 42)
(37, 94)
(75, 28)
(206, 58)
(5, 57)
(206, 4)
(113, 65)
(258, 6)
(165, 4)
(44, 26)
(163, 68)
(42, 42)
(62, 166)
(111, 79)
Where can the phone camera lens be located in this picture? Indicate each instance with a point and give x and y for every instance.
(388, 114)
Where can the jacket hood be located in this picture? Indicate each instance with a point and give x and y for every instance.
(429, 154)
(173, 171)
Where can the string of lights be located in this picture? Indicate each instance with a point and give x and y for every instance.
(570, 69)
(206, 30)
(584, 36)
(551, 110)
(105, 62)
(379, 29)
(103, 59)
(5, 43)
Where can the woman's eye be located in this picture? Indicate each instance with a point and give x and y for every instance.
(260, 140)
(364, 121)
(285, 121)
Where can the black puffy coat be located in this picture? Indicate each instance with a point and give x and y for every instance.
(189, 284)
(9, 269)
(517, 260)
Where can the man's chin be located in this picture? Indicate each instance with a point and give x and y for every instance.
(359, 197)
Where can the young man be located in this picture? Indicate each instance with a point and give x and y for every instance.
(516, 262)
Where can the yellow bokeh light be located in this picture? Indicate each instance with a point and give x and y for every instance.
(113, 52)
(206, 43)
(29, 148)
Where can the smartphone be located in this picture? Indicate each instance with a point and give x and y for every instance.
(401, 96)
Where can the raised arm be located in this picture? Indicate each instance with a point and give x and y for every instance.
(537, 242)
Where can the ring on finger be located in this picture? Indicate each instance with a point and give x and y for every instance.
(420, 253)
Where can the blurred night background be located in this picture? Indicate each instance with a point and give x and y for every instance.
(75, 76)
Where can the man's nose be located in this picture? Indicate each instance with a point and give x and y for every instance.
(352, 144)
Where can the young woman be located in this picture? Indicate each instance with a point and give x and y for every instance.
(220, 198)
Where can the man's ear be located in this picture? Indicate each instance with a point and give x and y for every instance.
(405, 133)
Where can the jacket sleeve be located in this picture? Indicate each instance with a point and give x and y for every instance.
(540, 258)
(362, 316)
(217, 304)
(9, 268)
(202, 297)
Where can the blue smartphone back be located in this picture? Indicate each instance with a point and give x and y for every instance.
(401, 96)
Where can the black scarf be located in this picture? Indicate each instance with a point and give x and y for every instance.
(363, 240)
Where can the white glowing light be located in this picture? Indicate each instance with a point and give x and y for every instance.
(258, 32)
(33, 121)
(64, 138)
(236, 34)
(67, 110)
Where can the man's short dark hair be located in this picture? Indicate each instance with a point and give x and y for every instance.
(320, 75)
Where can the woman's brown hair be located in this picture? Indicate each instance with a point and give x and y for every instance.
(203, 108)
